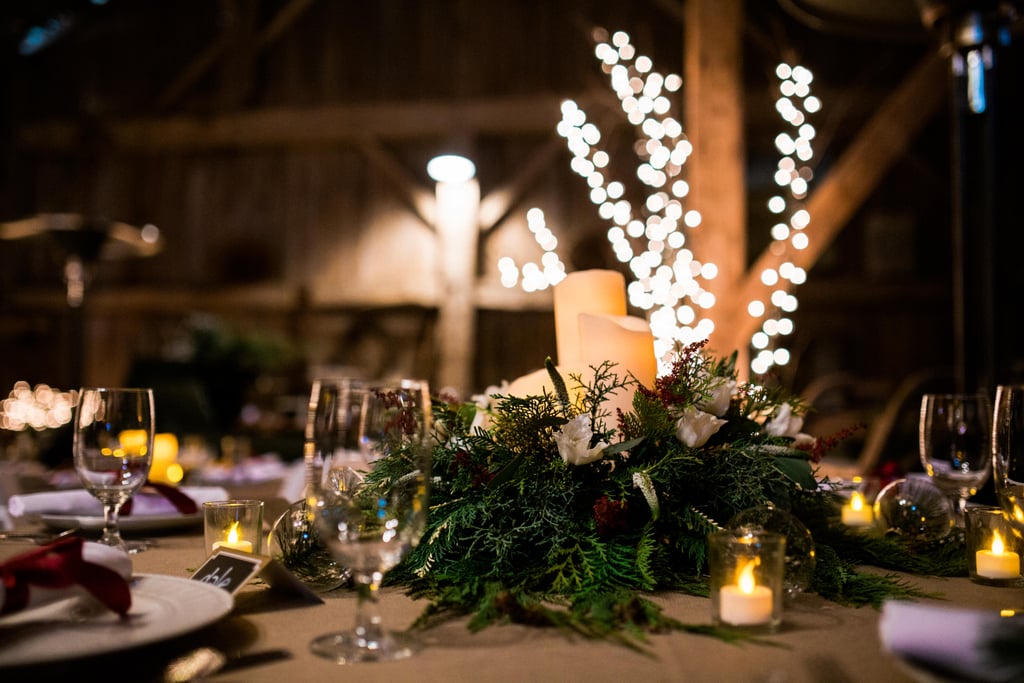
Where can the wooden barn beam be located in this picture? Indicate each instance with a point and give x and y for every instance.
(216, 50)
(280, 126)
(416, 197)
(863, 165)
(499, 202)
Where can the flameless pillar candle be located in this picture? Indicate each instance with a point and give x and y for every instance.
(746, 603)
(997, 563)
(597, 292)
(624, 340)
(857, 514)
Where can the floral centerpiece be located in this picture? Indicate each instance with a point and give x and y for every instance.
(547, 509)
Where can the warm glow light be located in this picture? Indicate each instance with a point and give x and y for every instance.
(133, 442)
(650, 235)
(150, 234)
(856, 501)
(997, 544)
(39, 408)
(793, 105)
(745, 577)
(175, 473)
(535, 277)
(451, 168)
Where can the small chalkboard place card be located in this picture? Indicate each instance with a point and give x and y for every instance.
(232, 569)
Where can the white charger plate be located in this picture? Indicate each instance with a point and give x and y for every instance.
(128, 523)
(163, 607)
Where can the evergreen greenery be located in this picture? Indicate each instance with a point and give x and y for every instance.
(516, 532)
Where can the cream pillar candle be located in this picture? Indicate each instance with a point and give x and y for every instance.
(539, 381)
(624, 340)
(597, 292)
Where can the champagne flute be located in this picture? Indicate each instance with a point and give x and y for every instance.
(955, 433)
(371, 502)
(113, 449)
(1008, 452)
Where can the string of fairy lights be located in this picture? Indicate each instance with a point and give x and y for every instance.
(650, 235)
(795, 104)
(40, 407)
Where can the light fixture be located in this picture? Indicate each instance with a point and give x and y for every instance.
(451, 168)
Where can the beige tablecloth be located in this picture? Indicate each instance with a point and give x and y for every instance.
(820, 640)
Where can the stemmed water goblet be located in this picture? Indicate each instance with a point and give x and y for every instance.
(113, 450)
(370, 500)
(1008, 453)
(955, 432)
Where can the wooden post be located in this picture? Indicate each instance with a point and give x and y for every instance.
(714, 124)
(458, 234)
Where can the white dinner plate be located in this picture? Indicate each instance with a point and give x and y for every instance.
(163, 607)
(129, 523)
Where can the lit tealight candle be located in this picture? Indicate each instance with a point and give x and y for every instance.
(233, 542)
(997, 563)
(857, 514)
(746, 603)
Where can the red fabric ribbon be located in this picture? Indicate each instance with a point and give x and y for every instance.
(60, 565)
(181, 502)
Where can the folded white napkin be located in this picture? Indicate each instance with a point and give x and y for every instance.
(974, 645)
(293, 485)
(107, 556)
(81, 502)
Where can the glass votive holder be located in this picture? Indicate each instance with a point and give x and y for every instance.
(747, 567)
(233, 525)
(993, 550)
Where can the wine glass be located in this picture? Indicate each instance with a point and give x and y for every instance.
(113, 449)
(371, 502)
(955, 433)
(1008, 452)
(293, 538)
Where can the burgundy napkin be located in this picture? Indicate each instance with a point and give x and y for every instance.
(181, 502)
(61, 565)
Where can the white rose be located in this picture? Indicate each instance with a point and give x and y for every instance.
(784, 423)
(573, 441)
(804, 441)
(721, 395)
(485, 403)
(695, 427)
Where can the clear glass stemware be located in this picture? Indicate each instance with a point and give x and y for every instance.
(371, 500)
(955, 434)
(1008, 452)
(113, 449)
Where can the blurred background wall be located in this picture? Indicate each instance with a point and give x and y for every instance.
(279, 147)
